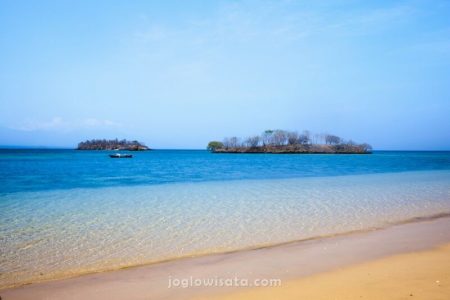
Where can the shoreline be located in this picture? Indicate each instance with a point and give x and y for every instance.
(413, 235)
(253, 248)
(287, 152)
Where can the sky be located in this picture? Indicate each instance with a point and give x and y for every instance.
(177, 74)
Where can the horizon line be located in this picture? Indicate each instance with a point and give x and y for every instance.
(16, 147)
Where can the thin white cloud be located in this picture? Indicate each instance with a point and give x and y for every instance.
(372, 21)
(59, 124)
(92, 122)
(33, 125)
(273, 22)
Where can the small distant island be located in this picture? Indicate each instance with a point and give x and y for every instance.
(102, 144)
(282, 141)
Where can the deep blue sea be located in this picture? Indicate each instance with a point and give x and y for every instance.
(66, 212)
(34, 170)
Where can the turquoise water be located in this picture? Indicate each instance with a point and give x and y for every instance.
(67, 212)
(33, 170)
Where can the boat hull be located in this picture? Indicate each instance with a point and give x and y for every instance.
(120, 155)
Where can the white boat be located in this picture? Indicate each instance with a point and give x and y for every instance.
(120, 155)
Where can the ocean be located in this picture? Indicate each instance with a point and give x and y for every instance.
(65, 212)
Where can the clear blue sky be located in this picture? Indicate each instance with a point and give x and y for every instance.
(176, 74)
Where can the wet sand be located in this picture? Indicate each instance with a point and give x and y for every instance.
(308, 263)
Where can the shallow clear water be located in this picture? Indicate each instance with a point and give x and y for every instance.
(65, 212)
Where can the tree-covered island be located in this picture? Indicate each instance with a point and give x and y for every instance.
(282, 141)
(102, 144)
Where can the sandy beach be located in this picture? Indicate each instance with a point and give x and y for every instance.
(389, 261)
(418, 275)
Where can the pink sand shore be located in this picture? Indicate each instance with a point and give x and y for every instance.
(285, 262)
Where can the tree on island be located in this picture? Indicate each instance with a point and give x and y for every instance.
(253, 141)
(103, 144)
(282, 141)
(213, 145)
(332, 139)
